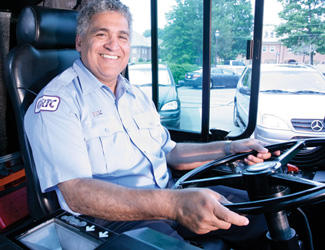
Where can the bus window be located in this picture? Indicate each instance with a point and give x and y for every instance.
(232, 25)
(291, 74)
(200, 102)
(180, 41)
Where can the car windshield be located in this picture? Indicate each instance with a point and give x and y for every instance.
(218, 71)
(293, 82)
(228, 72)
(143, 76)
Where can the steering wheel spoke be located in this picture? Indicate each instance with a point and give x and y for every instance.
(290, 153)
(293, 182)
(226, 180)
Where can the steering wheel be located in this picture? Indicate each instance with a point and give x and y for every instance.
(270, 190)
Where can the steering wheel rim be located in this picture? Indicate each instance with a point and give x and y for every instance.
(308, 191)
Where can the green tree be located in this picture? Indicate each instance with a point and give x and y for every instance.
(182, 36)
(233, 20)
(147, 33)
(303, 29)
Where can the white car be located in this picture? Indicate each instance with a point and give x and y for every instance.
(291, 102)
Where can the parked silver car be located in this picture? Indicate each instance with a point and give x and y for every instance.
(291, 102)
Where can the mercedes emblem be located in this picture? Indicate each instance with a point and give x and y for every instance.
(317, 125)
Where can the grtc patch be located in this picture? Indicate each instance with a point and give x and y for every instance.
(47, 103)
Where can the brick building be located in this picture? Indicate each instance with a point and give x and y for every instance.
(273, 51)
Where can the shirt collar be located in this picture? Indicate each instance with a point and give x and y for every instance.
(88, 82)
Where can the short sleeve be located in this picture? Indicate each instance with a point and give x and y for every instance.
(56, 139)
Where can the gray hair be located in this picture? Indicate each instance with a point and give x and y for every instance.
(98, 7)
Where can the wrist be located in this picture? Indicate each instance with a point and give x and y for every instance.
(228, 149)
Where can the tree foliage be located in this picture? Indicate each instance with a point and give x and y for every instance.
(183, 35)
(303, 29)
(234, 21)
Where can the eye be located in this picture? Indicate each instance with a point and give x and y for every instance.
(100, 34)
(124, 37)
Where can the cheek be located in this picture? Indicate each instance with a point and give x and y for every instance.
(126, 50)
(88, 50)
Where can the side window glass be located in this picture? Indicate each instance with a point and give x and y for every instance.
(180, 37)
(247, 78)
(232, 26)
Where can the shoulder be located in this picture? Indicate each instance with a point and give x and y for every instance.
(61, 83)
(61, 89)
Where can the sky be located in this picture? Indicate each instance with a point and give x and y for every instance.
(271, 10)
(141, 12)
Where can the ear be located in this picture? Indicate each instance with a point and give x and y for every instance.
(78, 42)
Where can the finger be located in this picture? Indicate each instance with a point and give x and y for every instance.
(259, 147)
(254, 159)
(264, 156)
(225, 217)
(249, 162)
(223, 200)
(209, 229)
(218, 197)
(277, 153)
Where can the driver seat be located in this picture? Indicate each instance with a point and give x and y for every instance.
(45, 48)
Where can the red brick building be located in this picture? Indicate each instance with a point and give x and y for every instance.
(273, 51)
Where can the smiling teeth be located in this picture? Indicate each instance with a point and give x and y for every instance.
(109, 57)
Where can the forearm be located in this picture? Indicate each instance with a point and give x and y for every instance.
(199, 210)
(187, 156)
(117, 203)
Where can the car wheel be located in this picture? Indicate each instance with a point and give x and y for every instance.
(235, 115)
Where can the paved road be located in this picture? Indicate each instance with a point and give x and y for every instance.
(221, 109)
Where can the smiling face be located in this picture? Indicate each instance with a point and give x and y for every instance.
(106, 46)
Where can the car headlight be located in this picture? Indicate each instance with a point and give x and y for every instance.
(170, 106)
(271, 121)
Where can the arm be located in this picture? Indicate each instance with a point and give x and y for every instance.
(200, 210)
(186, 156)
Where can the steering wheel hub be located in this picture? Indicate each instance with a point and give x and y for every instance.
(264, 167)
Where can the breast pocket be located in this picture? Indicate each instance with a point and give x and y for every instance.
(149, 127)
(98, 134)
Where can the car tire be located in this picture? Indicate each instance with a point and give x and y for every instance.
(235, 115)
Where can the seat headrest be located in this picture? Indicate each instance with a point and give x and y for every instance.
(47, 28)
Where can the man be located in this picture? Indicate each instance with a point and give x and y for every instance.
(103, 150)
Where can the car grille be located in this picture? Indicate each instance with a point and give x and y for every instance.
(308, 125)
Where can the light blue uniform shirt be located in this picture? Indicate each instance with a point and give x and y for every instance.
(78, 128)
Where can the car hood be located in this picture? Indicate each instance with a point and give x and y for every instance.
(288, 106)
(166, 94)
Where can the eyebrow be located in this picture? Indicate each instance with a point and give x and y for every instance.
(107, 30)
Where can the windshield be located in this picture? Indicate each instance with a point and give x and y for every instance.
(218, 71)
(289, 81)
(143, 77)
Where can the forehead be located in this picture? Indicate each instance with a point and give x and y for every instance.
(110, 21)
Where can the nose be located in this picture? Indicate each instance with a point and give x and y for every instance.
(112, 43)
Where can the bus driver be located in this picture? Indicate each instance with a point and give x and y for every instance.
(102, 148)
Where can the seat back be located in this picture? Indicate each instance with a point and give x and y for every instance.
(46, 47)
